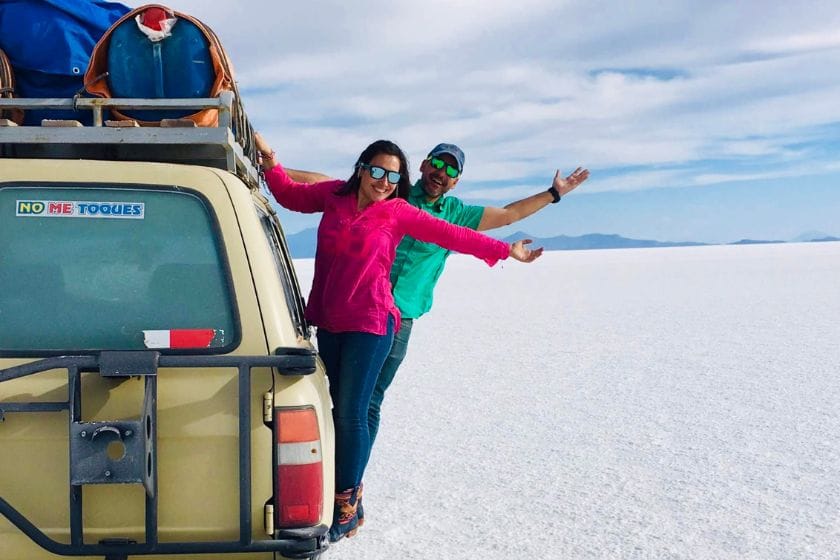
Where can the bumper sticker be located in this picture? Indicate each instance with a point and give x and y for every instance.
(79, 209)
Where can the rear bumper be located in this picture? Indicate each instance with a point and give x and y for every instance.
(300, 543)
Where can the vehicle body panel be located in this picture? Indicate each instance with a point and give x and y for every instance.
(197, 409)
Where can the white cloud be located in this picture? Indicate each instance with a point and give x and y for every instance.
(829, 39)
(646, 93)
(793, 172)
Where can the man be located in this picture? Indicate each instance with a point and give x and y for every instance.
(418, 265)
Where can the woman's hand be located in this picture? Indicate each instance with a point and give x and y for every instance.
(520, 252)
(262, 145)
(265, 152)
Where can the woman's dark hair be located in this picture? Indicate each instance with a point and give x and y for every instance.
(379, 147)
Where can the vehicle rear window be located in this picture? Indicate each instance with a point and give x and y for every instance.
(84, 267)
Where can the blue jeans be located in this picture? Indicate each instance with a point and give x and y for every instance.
(353, 361)
(386, 375)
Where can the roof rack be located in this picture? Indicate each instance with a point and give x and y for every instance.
(228, 146)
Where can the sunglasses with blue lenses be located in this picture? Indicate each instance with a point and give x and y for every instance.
(377, 173)
(451, 171)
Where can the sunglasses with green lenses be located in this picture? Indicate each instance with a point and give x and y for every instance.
(451, 170)
(377, 173)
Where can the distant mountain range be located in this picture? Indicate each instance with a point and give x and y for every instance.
(809, 236)
(302, 243)
(594, 241)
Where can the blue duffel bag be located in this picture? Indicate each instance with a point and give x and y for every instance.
(155, 52)
(176, 66)
(49, 44)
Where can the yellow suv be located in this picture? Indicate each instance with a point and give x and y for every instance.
(159, 392)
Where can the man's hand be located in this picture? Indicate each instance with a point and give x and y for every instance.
(307, 176)
(520, 252)
(570, 183)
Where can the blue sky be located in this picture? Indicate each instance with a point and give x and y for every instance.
(708, 121)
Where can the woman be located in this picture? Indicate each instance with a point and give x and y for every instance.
(364, 220)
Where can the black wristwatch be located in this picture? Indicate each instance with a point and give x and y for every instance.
(554, 194)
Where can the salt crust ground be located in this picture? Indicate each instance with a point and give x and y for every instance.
(641, 403)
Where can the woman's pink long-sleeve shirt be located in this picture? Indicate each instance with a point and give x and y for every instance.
(351, 289)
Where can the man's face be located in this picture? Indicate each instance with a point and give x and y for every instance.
(435, 181)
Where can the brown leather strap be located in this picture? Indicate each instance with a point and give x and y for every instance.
(7, 89)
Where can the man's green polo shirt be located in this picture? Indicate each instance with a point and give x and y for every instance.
(418, 264)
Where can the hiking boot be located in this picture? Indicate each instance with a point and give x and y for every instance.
(360, 510)
(345, 514)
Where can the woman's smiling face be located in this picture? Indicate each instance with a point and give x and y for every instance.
(373, 190)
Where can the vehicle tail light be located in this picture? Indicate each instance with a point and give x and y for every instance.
(299, 497)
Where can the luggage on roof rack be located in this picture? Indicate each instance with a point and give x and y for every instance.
(49, 43)
(154, 52)
(163, 88)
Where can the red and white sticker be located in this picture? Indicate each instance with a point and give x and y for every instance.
(183, 338)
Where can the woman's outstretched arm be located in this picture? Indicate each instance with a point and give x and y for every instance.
(425, 227)
(293, 195)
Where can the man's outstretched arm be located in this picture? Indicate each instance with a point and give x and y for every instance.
(307, 176)
(497, 217)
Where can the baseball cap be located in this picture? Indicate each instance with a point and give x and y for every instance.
(452, 150)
